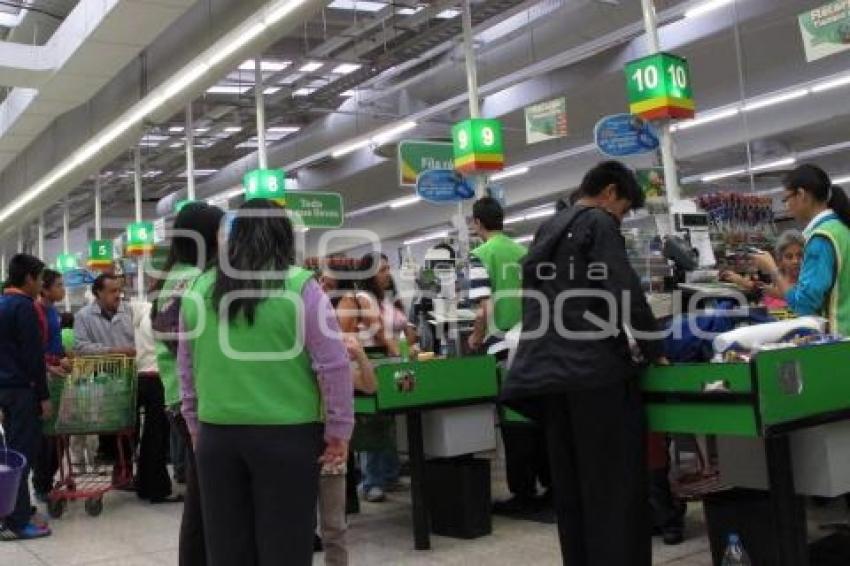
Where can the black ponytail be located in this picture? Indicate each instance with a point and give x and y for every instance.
(816, 182)
(840, 204)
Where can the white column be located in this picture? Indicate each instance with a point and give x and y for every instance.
(98, 213)
(261, 112)
(40, 237)
(668, 161)
(137, 185)
(20, 243)
(190, 154)
(3, 267)
(66, 245)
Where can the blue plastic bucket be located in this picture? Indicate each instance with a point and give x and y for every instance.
(12, 466)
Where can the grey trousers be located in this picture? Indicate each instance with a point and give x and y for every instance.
(332, 521)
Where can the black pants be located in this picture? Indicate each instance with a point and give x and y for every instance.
(23, 434)
(192, 551)
(597, 448)
(45, 466)
(526, 459)
(259, 488)
(152, 479)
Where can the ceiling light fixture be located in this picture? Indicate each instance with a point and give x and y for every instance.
(409, 11)
(722, 175)
(540, 214)
(513, 219)
(407, 201)
(448, 14)
(507, 174)
(831, 84)
(233, 129)
(784, 162)
(311, 67)
(348, 93)
(386, 135)
(841, 180)
(358, 5)
(433, 236)
(774, 100)
(176, 129)
(270, 66)
(346, 68)
(271, 90)
(523, 239)
(228, 89)
(707, 118)
(350, 148)
(304, 91)
(706, 7)
(283, 129)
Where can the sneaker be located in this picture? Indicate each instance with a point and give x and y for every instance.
(29, 532)
(375, 495)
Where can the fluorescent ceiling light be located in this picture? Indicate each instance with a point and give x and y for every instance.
(540, 214)
(359, 5)
(271, 90)
(201, 130)
(175, 145)
(513, 219)
(722, 175)
(706, 7)
(774, 100)
(176, 129)
(773, 164)
(515, 172)
(390, 133)
(523, 239)
(270, 66)
(201, 172)
(289, 79)
(841, 180)
(149, 143)
(448, 14)
(346, 68)
(348, 93)
(283, 129)
(398, 203)
(707, 118)
(311, 67)
(248, 144)
(151, 174)
(831, 84)
(351, 148)
(427, 237)
(304, 91)
(409, 11)
(233, 129)
(228, 89)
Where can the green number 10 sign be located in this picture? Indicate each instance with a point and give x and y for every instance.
(659, 86)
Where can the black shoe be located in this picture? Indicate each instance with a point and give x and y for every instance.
(317, 543)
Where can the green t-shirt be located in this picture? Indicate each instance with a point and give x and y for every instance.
(502, 257)
(252, 374)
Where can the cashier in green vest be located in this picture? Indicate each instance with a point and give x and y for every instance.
(823, 287)
(496, 285)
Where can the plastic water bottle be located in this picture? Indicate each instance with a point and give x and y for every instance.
(735, 554)
(403, 348)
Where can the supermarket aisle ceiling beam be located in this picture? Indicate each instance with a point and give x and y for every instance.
(254, 32)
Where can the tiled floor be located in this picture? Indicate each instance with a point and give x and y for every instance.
(131, 533)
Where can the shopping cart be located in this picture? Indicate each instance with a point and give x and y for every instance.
(98, 397)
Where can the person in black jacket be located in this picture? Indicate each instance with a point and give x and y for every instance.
(23, 383)
(574, 372)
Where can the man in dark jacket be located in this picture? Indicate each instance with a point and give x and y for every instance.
(23, 382)
(574, 372)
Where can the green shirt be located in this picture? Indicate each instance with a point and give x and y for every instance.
(178, 279)
(501, 257)
(252, 374)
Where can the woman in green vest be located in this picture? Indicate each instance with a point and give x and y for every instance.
(267, 393)
(823, 287)
(194, 246)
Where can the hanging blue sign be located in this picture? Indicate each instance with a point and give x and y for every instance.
(443, 186)
(622, 135)
(76, 278)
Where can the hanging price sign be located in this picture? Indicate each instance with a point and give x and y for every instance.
(100, 254)
(265, 183)
(140, 238)
(659, 87)
(477, 146)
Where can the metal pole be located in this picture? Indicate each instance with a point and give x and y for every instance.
(190, 154)
(20, 240)
(469, 56)
(40, 237)
(3, 267)
(66, 243)
(97, 208)
(261, 113)
(668, 161)
(137, 184)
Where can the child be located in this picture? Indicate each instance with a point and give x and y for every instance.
(332, 482)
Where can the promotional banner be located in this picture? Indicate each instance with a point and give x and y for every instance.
(651, 180)
(414, 157)
(444, 186)
(826, 30)
(315, 209)
(622, 135)
(546, 121)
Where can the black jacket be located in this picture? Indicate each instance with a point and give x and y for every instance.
(21, 346)
(576, 275)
